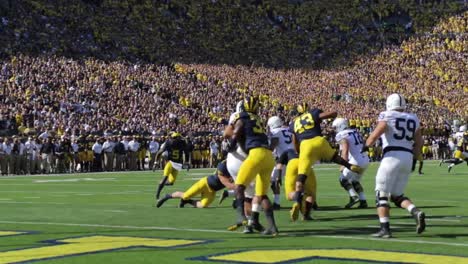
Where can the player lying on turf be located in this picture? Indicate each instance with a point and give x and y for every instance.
(351, 142)
(290, 160)
(206, 187)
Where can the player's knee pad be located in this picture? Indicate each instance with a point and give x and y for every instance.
(381, 199)
(302, 178)
(398, 200)
(357, 186)
(345, 183)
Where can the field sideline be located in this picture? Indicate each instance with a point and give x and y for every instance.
(111, 218)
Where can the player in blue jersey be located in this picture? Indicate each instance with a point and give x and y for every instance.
(312, 147)
(249, 132)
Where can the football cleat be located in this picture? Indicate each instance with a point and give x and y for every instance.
(449, 168)
(352, 201)
(248, 230)
(315, 206)
(363, 204)
(223, 196)
(235, 226)
(294, 212)
(272, 231)
(257, 227)
(181, 203)
(307, 218)
(420, 218)
(383, 233)
(163, 200)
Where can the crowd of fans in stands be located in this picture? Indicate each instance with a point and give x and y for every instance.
(68, 105)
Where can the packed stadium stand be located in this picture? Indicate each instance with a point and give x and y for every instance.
(99, 67)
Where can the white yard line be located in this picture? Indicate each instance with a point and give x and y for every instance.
(16, 202)
(32, 197)
(115, 211)
(229, 232)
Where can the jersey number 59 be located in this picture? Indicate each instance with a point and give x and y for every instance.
(405, 128)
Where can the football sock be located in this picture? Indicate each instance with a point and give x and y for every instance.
(308, 208)
(384, 223)
(276, 198)
(362, 196)
(161, 186)
(270, 217)
(352, 192)
(240, 209)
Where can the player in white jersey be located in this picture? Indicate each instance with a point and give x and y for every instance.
(280, 142)
(351, 143)
(402, 140)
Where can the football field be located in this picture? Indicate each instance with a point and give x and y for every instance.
(111, 218)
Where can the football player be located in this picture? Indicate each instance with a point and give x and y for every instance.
(175, 147)
(206, 187)
(290, 159)
(351, 142)
(234, 160)
(461, 152)
(280, 142)
(249, 132)
(401, 138)
(312, 146)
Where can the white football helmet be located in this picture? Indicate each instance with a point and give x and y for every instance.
(396, 102)
(340, 124)
(274, 122)
(463, 128)
(240, 106)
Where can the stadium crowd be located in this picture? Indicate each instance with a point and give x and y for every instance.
(64, 106)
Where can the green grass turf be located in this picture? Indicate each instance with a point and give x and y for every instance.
(122, 204)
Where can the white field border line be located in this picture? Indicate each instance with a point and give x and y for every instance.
(157, 172)
(67, 204)
(230, 232)
(122, 227)
(75, 184)
(80, 193)
(16, 202)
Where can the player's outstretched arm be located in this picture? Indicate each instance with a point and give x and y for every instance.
(227, 181)
(326, 115)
